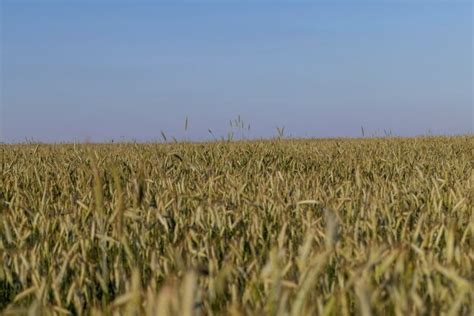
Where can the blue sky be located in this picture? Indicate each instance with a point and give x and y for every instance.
(102, 70)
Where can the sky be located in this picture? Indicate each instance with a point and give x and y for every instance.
(126, 70)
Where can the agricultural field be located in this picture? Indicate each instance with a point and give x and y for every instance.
(372, 226)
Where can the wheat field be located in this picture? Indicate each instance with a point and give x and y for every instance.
(373, 226)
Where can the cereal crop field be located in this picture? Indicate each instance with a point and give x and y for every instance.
(370, 226)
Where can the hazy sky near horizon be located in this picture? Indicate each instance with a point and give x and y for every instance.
(123, 70)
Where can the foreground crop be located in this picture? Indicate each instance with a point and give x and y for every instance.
(379, 226)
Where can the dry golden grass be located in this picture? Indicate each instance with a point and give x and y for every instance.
(284, 227)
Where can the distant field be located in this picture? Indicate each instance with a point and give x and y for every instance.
(282, 227)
